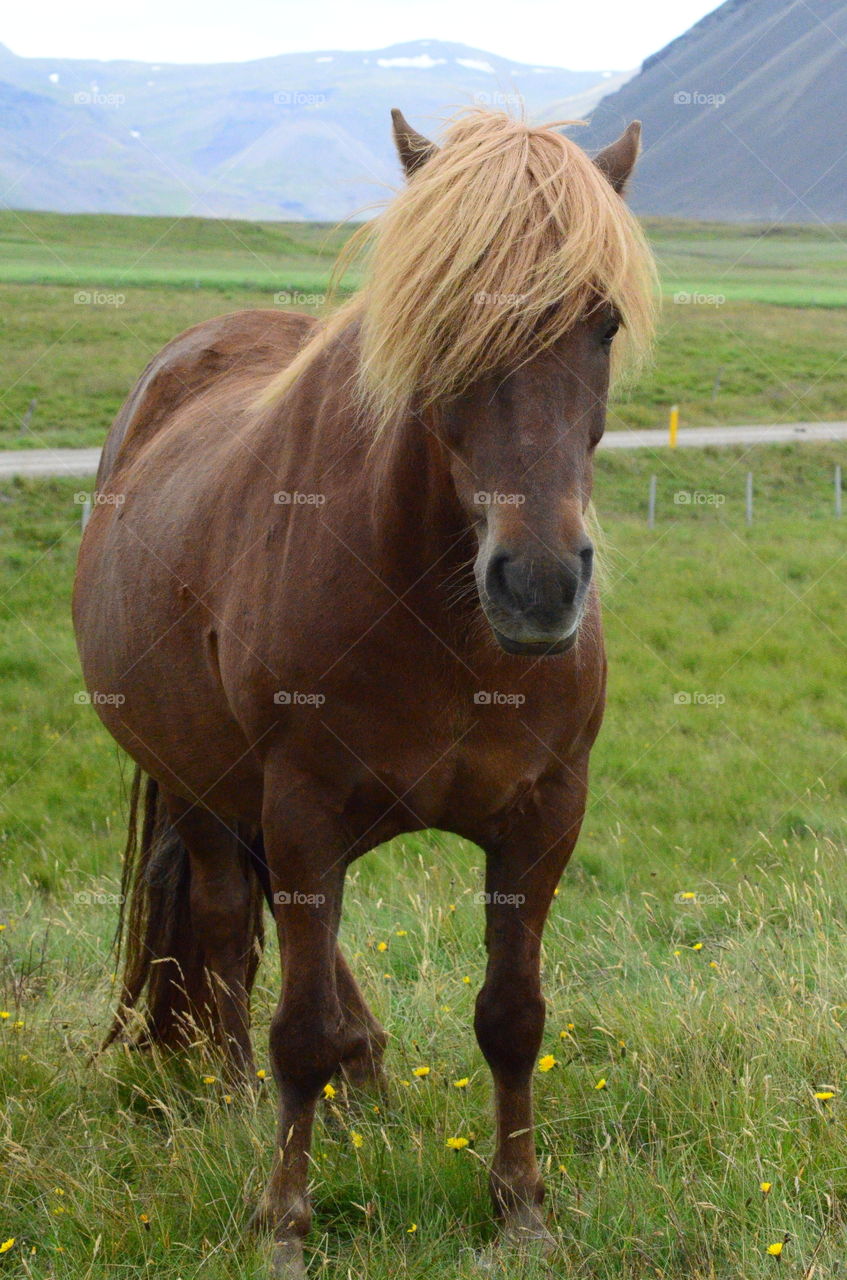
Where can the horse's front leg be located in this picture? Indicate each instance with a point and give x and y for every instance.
(523, 868)
(309, 1035)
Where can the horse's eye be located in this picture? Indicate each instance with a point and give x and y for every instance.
(609, 333)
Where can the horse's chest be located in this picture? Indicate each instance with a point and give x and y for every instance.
(458, 780)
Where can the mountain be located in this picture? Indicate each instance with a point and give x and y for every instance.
(301, 136)
(744, 116)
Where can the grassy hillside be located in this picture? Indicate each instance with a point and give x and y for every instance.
(714, 1019)
(753, 326)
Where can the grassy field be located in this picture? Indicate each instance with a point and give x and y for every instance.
(715, 1017)
(753, 329)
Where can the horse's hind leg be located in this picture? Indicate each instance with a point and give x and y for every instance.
(361, 1064)
(225, 912)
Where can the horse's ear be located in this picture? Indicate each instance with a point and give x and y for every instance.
(412, 147)
(617, 161)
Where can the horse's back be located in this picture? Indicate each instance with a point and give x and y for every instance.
(247, 345)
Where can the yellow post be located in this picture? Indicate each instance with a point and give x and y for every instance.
(673, 425)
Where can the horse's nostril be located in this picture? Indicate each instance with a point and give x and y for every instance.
(496, 578)
(586, 555)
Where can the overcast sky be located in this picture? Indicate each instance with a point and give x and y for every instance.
(578, 34)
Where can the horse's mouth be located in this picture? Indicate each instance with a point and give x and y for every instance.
(535, 648)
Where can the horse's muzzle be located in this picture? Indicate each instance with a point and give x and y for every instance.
(535, 603)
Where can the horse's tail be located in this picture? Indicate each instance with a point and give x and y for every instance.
(162, 955)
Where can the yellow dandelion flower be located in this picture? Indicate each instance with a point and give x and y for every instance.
(457, 1144)
(677, 953)
(4, 1014)
(7, 1244)
(562, 1169)
(547, 1063)
(2, 927)
(382, 946)
(698, 946)
(209, 1079)
(420, 1072)
(765, 1187)
(466, 981)
(57, 1191)
(401, 933)
(452, 907)
(329, 1092)
(17, 1026)
(463, 1083)
(688, 897)
(262, 1075)
(824, 1095)
(411, 1229)
(555, 893)
(356, 1139)
(775, 1249)
(407, 1083)
(601, 1084)
(144, 1219)
(713, 964)
(227, 1098)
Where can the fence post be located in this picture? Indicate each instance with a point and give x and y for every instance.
(651, 504)
(748, 497)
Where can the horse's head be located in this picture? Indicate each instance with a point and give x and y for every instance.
(496, 282)
(521, 448)
(520, 440)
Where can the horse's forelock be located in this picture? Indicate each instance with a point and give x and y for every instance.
(493, 251)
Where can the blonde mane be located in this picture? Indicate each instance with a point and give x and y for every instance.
(497, 246)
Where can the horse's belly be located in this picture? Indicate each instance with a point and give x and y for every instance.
(150, 675)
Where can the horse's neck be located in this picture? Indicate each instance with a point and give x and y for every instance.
(420, 527)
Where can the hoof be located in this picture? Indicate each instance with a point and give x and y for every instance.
(525, 1229)
(287, 1262)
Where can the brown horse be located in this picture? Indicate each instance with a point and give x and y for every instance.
(339, 586)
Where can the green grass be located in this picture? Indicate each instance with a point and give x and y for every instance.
(86, 301)
(790, 266)
(712, 1053)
